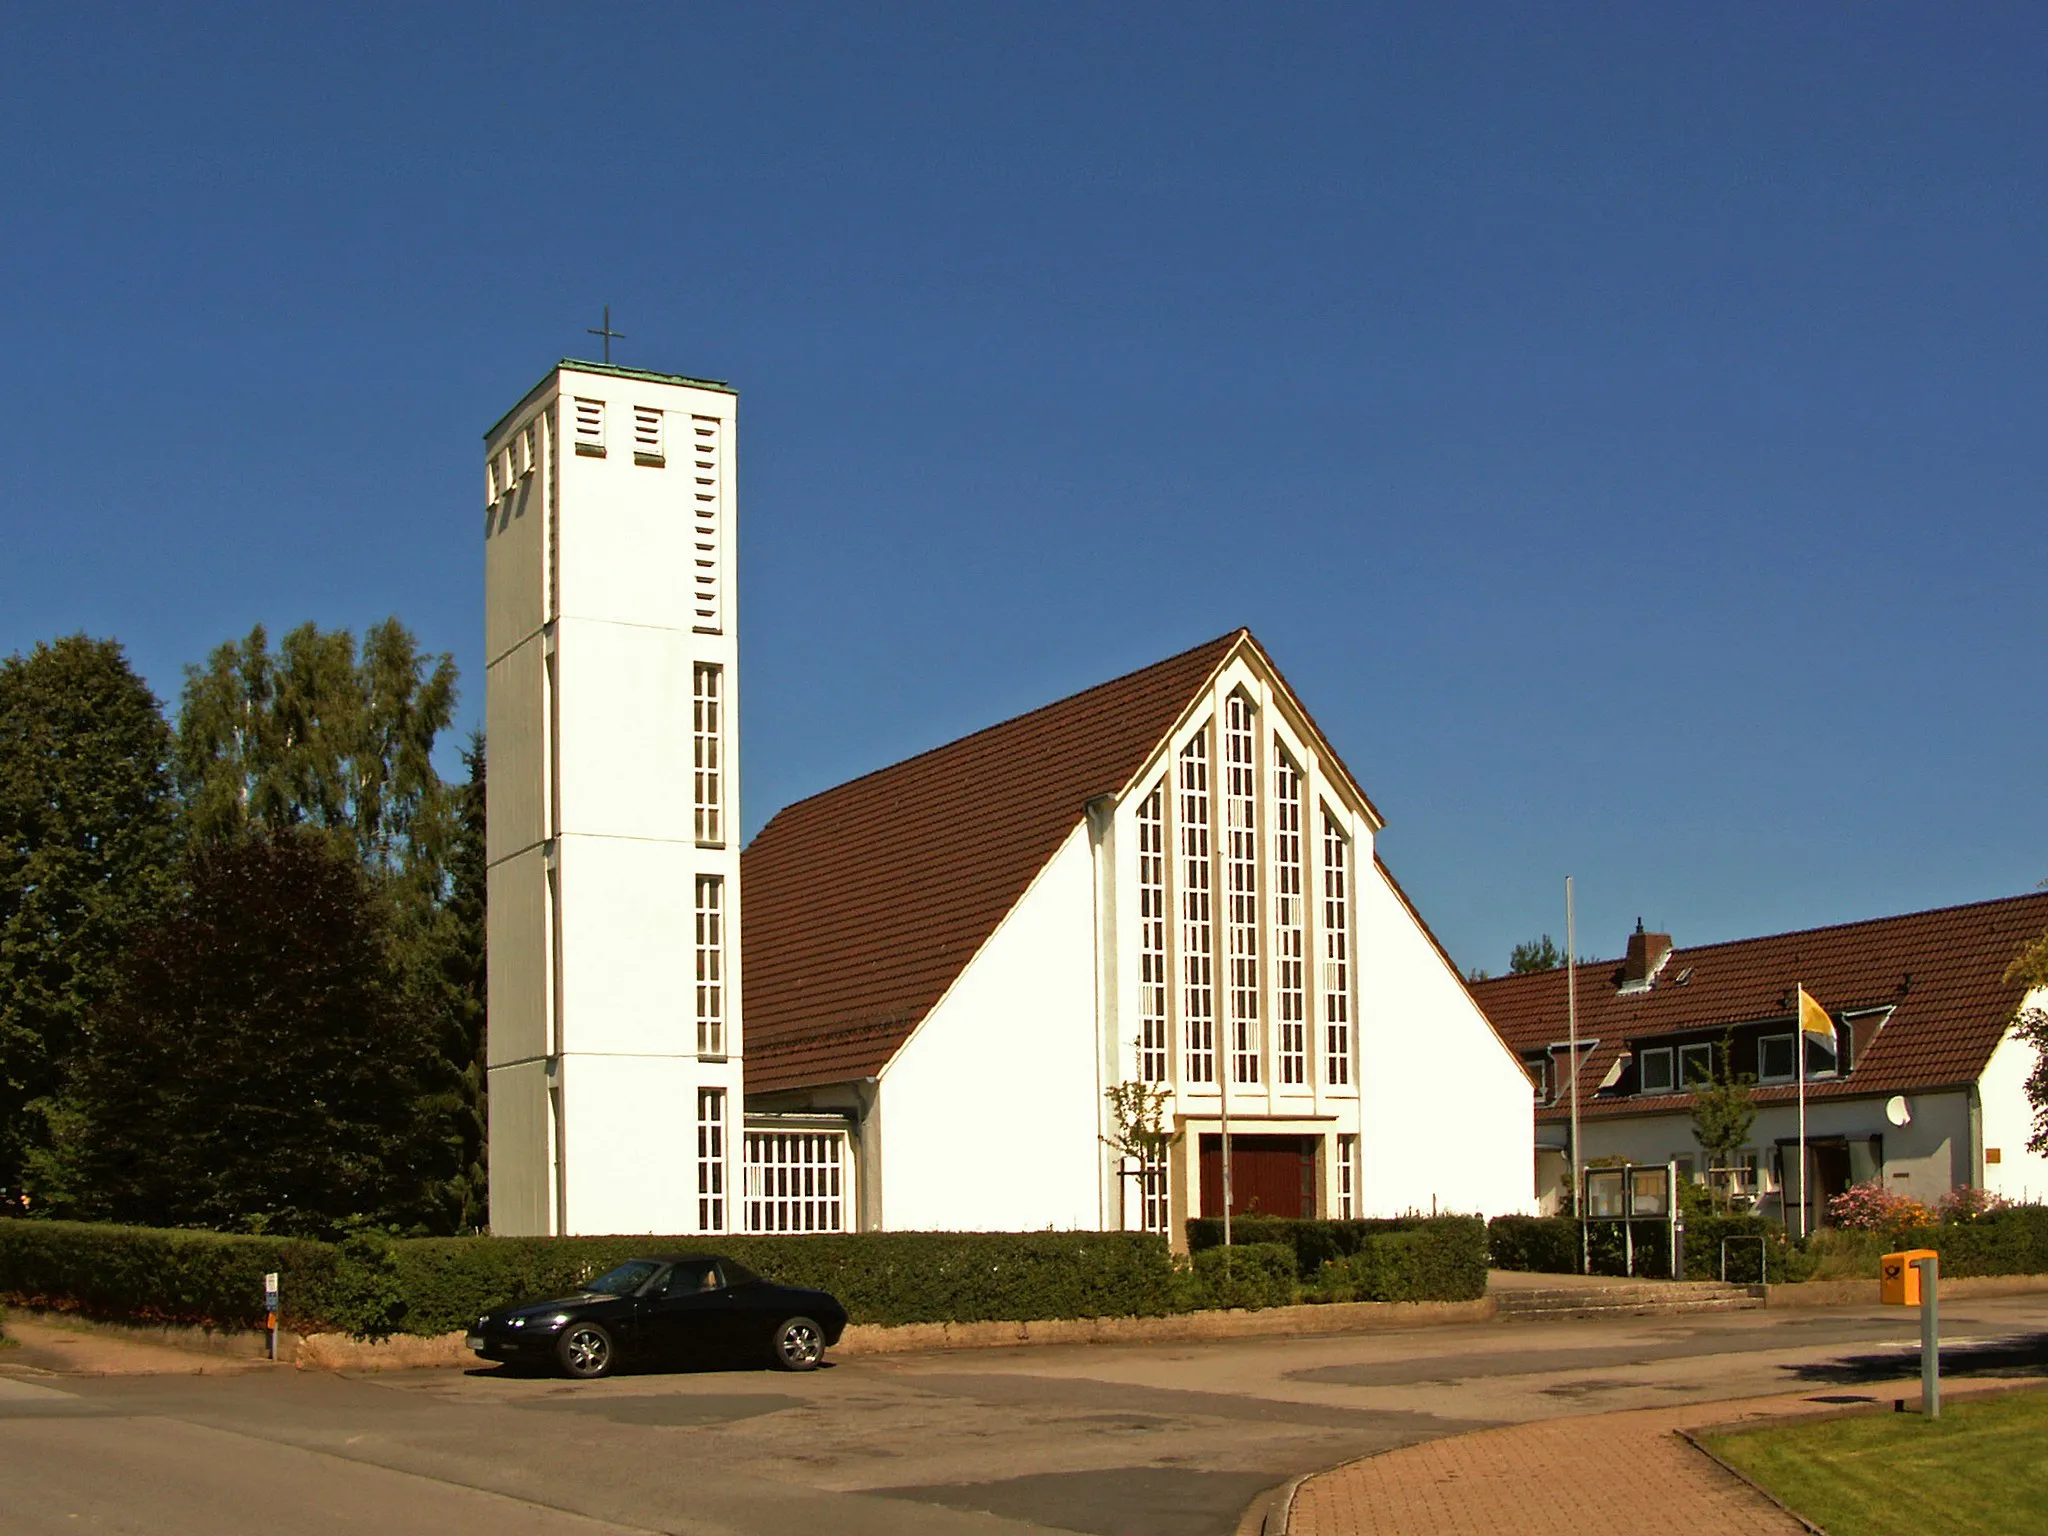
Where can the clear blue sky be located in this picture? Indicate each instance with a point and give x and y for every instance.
(1624, 424)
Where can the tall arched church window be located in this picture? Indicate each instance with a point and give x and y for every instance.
(1152, 1031)
(1241, 885)
(1289, 992)
(1198, 965)
(1336, 954)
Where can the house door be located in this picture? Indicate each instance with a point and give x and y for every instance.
(1269, 1175)
(1830, 1174)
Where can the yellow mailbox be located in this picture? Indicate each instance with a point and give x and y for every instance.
(1899, 1279)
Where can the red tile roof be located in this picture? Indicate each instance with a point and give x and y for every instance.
(862, 904)
(1943, 970)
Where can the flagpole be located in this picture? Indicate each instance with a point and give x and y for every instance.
(1571, 1007)
(1799, 1045)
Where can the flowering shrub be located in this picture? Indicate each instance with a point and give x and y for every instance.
(1873, 1208)
(1966, 1203)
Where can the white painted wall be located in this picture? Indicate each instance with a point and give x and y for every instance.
(1446, 1114)
(2009, 1118)
(989, 1114)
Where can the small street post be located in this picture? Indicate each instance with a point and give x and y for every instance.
(270, 1309)
(1930, 1334)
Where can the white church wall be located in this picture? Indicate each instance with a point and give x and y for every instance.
(515, 564)
(516, 729)
(630, 1125)
(520, 1139)
(2009, 1118)
(990, 1113)
(518, 974)
(1447, 1118)
(629, 968)
(625, 724)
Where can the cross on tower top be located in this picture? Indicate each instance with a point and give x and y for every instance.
(607, 333)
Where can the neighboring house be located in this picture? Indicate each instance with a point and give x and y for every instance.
(1924, 1092)
(1169, 878)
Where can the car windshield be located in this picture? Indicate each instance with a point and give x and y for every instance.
(624, 1280)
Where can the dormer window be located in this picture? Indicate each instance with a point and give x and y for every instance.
(1775, 1062)
(1695, 1066)
(1653, 1071)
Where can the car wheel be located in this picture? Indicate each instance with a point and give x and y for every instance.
(799, 1345)
(585, 1351)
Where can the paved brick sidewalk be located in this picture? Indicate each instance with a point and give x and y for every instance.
(1609, 1474)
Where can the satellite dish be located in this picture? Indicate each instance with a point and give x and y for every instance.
(1897, 1110)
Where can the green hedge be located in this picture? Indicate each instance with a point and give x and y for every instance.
(372, 1286)
(2013, 1241)
(880, 1277)
(150, 1274)
(1447, 1257)
(1244, 1275)
(1545, 1245)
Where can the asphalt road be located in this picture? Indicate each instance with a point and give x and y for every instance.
(1110, 1440)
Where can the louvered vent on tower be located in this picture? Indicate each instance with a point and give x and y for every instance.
(590, 427)
(707, 473)
(647, 436)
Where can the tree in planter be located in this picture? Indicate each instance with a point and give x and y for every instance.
(1137, 1122)
(1723, 1111)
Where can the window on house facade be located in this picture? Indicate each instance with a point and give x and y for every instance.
(1289, 983)
(1336, 954)
(707, 752)
(1347, 1177)
(589, 426)
(1241, 886)
(707, 473)
(1774, 1060)
(795, 1181)
(1198, 974)
(710, 1159)
(1152, 974)
(1695, 1066)
(1653, 1070)
(710, 948)
(647, 436)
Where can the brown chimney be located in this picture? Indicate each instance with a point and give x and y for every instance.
(1647, 953)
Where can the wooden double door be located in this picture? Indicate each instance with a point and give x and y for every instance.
(1269, 1175)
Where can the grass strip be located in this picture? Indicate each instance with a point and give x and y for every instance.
(1982, 1467)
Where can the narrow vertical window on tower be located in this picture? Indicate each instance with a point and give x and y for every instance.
(647, 436)
(590, 427)
(706, 474)
(1152, 1026)
(710, 965)
(710, 1159)
(1289, 993)
(1336, 954)
(1198, 965)
(706, 742)
(1347, 1178)
(1241, 881)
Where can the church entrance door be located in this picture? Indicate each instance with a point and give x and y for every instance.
(1269, 1175)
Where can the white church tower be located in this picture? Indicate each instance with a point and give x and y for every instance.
(611, 667)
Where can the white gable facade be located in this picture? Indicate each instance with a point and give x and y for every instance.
(1222, 932)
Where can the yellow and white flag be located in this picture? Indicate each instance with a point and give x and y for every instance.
(1815, 1023)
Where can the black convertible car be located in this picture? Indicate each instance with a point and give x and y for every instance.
(680, 1308)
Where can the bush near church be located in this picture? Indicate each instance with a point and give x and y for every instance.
(1438, 1258)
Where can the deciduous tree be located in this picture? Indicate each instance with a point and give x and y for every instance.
(1723, 1111)
(87, 851)
(2030, 1024)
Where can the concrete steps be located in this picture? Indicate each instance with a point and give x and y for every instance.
(1651, 1298)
